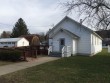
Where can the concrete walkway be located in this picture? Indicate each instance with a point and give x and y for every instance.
(23, 65)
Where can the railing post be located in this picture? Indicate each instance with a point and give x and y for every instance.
(69, 50)
(49, 49)
(66, 51)
(24, 54)
(63, 51)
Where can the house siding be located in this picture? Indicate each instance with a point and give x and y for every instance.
(55, 40)
(22, 42)
(74, 47)
(17, 43)
(84, 41)
(8, 45)
(96, 44)
(81, 46)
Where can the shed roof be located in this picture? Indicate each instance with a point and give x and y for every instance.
(10, 39)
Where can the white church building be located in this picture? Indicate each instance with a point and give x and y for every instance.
(13, 42)
(70, 37)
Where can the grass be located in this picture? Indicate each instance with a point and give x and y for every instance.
(76, 69)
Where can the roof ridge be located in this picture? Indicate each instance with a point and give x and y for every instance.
(77, 23)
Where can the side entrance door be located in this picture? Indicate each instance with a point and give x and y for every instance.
(62, 43)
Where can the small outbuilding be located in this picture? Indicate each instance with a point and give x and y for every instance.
(13, 42)
(33, 39)
(71, 37)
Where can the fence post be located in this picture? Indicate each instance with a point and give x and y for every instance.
(108, 48)
(36, 54)
(24, 53)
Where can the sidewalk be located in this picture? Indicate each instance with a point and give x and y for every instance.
(23, 65)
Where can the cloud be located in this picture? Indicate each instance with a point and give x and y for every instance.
(39, 15)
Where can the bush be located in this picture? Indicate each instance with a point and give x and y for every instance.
(10, 55)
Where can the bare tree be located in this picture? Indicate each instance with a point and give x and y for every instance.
(42, 36)
(5, 34)
(95, 12)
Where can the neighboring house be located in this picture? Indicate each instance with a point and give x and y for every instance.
(33, 39)
(44, 43)
(69, 36)
(13, 42)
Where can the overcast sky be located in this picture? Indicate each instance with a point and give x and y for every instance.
(39, 15)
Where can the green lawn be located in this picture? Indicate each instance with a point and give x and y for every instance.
(76, 69)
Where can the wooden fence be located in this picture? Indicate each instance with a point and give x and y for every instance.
(29, 51)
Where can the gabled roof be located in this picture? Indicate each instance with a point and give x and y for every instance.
(67, 32)
(66, 17)
(10, 39)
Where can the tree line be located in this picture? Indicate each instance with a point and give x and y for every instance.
(20, 28)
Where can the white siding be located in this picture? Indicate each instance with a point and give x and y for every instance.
(22, 42)
(84, 40)
(68, 41)
(19, 43)
(50, 42)
(74, 47)
(96, 44)
(7, 44)
(83, 45)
